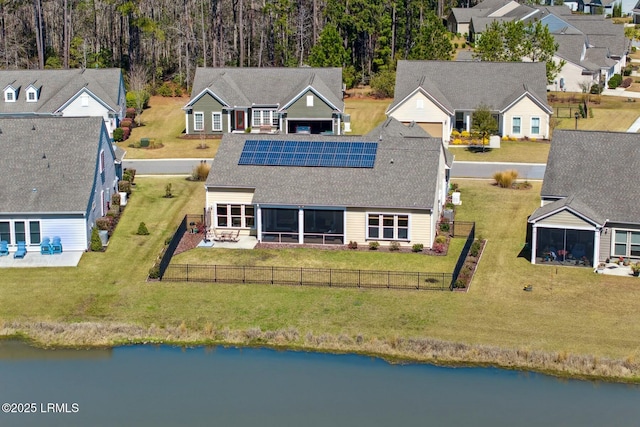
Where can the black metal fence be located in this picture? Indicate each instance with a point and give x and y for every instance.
(368, 279)
(470, 229)
(175, 241)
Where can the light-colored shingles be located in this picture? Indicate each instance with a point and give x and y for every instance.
(57, 86)
(466, 85)
(268, 86)
(57, 159)
(404, 174)
(598, 169)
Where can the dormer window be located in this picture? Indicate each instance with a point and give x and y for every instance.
(9, 95)
(32, 94)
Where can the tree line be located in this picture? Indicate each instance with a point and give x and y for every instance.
(169, 39)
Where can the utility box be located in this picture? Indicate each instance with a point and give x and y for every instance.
(455, 198)
(448, 214)
(123, 198)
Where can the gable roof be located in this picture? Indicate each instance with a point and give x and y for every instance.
(58, 159)
(244, 87)
(404, 176)
(597, 168)
(570, 204)
(462, 85)
(56, 87)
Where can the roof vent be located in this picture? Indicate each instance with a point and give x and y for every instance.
(34, 127)
(44, 156)
(391, 161)
(34, 189)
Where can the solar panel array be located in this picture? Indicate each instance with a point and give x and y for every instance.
(309, 153)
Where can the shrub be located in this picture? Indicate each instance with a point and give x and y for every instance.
(513, 138)
(115, 199)
(505, 138)
(132, 98)
(455, 186)
(164, 90)
(439, 248)
(118, 134)
(373, 246)
(506, 178)
(475, 248)
(533, 139)
(142, 230)
(626, 82)
(417, 247)
(125, 133)
(154, 272)
(455, 45)
(177, 91)
(440, 239)
(383, 84)
(457, 141)
(455, 134)
(394, 246)
(595, 89)
(460, 284)
(104, 223)
(96, 243)
(615, 81)
(465, 134)
(131, 113)
(201, 171)
(352, 245)
(124, 187)
(463, 45)
(126, 123)
(444, 225)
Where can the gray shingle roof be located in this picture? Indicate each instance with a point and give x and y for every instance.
(463, 85)
(598, 169)
(404, 175)
(57, 159)
(243, 87)
(568, 202)
(56, 87)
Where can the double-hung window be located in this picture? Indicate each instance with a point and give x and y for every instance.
(216, 120)
(535, 125)
(264, 118)
(627, 243)
(388, 226)
(34, 232)
(198, 121)
(516, 126)
(5, 231)
(235, 216)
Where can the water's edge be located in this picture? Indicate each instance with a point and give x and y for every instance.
(395, 351)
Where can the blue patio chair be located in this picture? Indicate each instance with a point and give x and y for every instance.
(22, 250)
(4, 248)
(56, 245)
(45, 247)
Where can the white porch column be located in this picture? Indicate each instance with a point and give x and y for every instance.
(186, 122)
(300, 225)
(259, 223)
(228, 121)
(534, 241)
(596, 247)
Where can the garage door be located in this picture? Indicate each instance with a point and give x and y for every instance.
(433, 129)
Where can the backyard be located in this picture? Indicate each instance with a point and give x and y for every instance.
(570, 310)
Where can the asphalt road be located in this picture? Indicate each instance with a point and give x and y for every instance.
(459, 169)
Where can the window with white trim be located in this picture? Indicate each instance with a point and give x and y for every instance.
(216, 121)
(309, 100)
(198, 121)
(34, 232)
(627, 243)
(235, 216)
(264, 118)
(31, 95)
(5, 231)
(19, 231)
(9, 95)
(101, 161)
(535, 125)
(516, 125)
(388, 226)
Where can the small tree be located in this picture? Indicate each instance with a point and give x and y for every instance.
(142, 230)
(96, 243)
(167, 191)
(483, 122)
(383, 84)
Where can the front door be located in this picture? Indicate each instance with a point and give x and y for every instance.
(239, 119)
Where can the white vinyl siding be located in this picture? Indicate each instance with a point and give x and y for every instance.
(356, 220)
(216, 121)
(72, 232)
(198, 121)
(525, 110)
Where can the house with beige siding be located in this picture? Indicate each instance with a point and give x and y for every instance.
(589, 209)
(387, 186)
(441, 96)
(266, 100)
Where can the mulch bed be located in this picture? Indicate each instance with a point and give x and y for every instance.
(469, 268)
(189, 241)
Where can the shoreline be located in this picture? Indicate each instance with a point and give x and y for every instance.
(393, 350)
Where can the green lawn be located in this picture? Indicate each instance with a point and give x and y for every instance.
(509, 151)
(366, 113)
(610, 113)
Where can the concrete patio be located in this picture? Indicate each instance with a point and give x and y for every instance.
(35, 259)
(244, 242)
(616, 270)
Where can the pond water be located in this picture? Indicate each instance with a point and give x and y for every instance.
(218, 386)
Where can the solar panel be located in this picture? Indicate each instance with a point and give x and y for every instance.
(309, 153)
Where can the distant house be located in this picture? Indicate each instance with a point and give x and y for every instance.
(267, 100)
(475, 20)
(592, 47)
(589, 200)
(91, 92)
(441, 96)
(387, 186)
(59, 176)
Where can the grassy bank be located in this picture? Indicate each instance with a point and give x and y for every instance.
(571, 312)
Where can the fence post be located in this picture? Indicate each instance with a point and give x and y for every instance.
(359, 278)
(272, 275)
(187, 272)
(388, 279)
(300, 276)
(418, 288)
(244, 271)
(330, 277)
